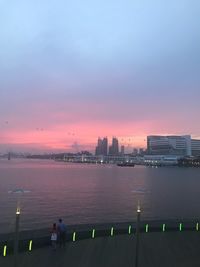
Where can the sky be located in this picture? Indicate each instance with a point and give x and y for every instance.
(71, 71)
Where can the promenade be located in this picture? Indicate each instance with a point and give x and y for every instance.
(157, 249)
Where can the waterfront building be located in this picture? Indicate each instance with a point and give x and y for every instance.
(122, 150)
(189, 162)
(97, 149)
(110, 150)
(114, 148)
(105, 146)
(182, 145)
(102, 147)
(141, 151)
(169, 145)
(135, 151)
(161, 160)
(195, 147)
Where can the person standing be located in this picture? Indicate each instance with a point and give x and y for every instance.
(61, 233)
(54, 236)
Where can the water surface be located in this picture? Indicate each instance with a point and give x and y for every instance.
(94, 193)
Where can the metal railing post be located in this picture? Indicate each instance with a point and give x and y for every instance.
(137, 236)
(16, 244)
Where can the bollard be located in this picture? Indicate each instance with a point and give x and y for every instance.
(4, 250)
(163, 227)
(74, 237)
(111, 231)
(180, 227)
(93, 233)
(197, 226)
(129, 229)
(30, 245)
(146, 228)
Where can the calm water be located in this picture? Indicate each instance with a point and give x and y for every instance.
(94, 193)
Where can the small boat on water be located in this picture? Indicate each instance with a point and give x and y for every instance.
(126, 164)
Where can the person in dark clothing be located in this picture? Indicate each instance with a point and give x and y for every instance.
(61, 233)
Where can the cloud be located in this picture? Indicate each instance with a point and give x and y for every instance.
(97, 68)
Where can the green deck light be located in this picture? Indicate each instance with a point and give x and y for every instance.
(30, 245)
(74, 237)
(129, 229)
(180, 226)
(147, 228)
(197, 226)
(111, 231)
(4, 250)
(163, 227)
(93, 233)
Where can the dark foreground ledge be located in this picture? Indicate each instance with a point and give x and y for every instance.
(158, 249)
(32, 239)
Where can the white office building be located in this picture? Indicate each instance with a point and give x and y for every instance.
(195, 147)
(173, 145)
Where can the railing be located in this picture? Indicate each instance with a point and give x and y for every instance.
(30, 240)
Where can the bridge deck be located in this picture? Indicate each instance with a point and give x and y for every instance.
(156, 250)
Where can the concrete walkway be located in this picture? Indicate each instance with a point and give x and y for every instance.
(172, 249)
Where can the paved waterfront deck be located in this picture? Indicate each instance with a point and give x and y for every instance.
(172, 249)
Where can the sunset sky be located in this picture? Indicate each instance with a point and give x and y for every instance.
(71, 71)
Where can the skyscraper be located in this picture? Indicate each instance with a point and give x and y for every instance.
(97, 150)
(114, 148)
(102, 147)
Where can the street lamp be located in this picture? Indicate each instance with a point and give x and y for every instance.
(137, 235)
(18, 191)
(16, 243)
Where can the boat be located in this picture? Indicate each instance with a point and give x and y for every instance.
(126, 164)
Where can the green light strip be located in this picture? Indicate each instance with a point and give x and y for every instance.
(30, 245)
(147, 228)
(180, 227)
(4, 250)
(129, 229)
(74, 237)
(163, 227)
(93, 233)
(111, 231)
(197, 226)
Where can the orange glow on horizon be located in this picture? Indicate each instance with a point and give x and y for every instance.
(77, 136)
(62, 137)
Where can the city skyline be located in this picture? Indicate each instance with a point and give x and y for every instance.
(113, 146)
(73, 71)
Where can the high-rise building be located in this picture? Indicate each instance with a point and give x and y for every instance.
(98, 147)
(102, 147)
(114, 148)
(105, 146)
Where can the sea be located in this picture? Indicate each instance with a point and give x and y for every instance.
(47, 190)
